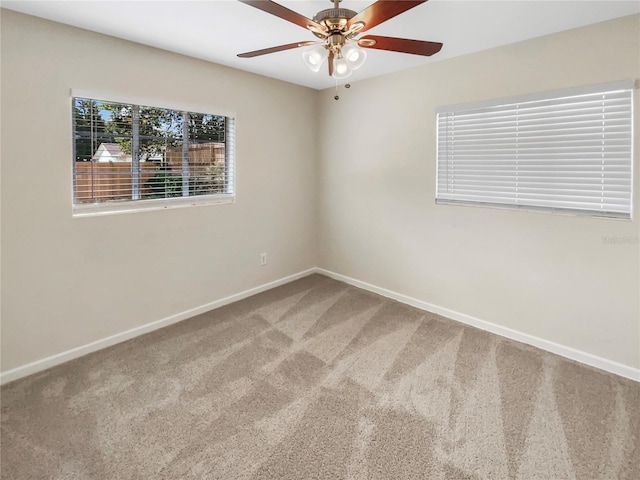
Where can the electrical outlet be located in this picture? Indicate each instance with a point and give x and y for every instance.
(263, 259)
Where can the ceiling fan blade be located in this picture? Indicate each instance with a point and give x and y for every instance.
(381, 11)
(279, 48)
(283, 12)
(403, 45)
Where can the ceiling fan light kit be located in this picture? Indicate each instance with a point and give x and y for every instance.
(338, 29)
(355, 56)
(340, 68)
(315, 57)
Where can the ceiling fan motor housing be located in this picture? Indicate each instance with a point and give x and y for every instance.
(335, 19)
(336, 40)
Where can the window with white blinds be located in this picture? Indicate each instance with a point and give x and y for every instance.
(128, 157)
(570, 150)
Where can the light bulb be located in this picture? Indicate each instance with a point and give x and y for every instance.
(355, 56)
(340, 68)
(352, 55)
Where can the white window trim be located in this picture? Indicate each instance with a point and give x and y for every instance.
(576, 91)
(83, 210)
(136, 206)
(149, 102)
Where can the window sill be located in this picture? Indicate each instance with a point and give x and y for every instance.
(136, 206)
(530, 208)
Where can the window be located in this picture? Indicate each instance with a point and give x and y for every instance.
(129, 157)
(563, 151)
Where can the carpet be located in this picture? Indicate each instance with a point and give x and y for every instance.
(317, 379)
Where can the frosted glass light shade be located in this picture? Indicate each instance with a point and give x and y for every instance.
(354, 55)
(315, 57)
(340, 68)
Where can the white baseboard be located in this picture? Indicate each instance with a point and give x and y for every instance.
(59, 358)
(562, 350)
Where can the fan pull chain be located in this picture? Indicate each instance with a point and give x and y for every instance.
(346, 85)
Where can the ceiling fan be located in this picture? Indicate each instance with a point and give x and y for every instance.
(338, 30)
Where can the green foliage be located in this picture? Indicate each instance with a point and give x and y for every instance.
(213, 181)
(206, 128)
(99, 122)
(90, 129)
(119, 124)
(164, 184)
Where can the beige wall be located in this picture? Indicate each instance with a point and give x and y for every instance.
(368, 213)
(70, 281)
(549, 276)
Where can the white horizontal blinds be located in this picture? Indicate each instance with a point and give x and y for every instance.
(127, 152)
(160, 152)
(103, 135)
(561, 152)
(207, 154)
(230, 151)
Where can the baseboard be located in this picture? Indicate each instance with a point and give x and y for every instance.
(57, 359)
(562, 350)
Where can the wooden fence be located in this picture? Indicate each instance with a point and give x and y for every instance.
(101, 181)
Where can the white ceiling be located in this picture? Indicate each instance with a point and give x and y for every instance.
(218, 30)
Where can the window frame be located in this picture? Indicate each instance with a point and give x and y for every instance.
(153, 204)
(468, 108)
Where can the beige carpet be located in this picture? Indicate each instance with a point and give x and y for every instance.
(320, 380)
